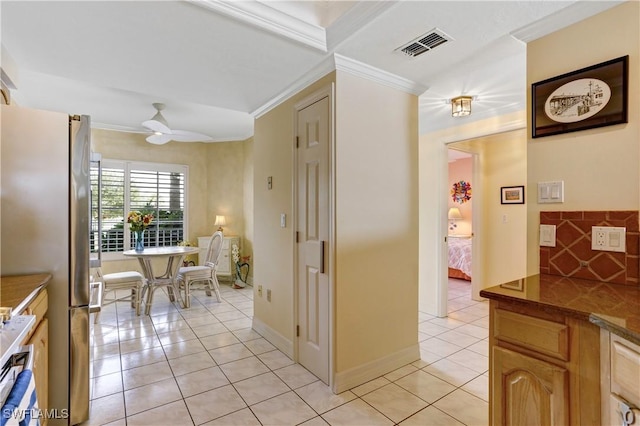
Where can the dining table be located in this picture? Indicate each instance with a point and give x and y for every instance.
(172, 257)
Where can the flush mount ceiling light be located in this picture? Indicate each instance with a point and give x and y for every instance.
(461, 106)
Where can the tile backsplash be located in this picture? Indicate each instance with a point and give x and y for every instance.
(572, 256)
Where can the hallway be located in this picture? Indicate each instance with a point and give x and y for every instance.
(205, 365)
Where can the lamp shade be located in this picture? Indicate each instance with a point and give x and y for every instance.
(461, 106)
(220, 222)
(454, 214)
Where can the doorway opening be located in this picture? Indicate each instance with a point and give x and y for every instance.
(460, 227)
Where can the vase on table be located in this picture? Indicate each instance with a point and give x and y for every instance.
(139, 239)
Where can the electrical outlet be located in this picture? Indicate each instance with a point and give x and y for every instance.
(608, 238)
(268, 295)
(260, 291)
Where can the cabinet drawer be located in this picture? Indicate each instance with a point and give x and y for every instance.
(625, 370)
(546, 337)
(619, 410)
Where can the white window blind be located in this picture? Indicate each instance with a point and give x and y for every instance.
(159, 189)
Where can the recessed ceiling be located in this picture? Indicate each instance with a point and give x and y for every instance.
(217, 64)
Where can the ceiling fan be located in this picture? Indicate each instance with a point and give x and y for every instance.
(163, 134)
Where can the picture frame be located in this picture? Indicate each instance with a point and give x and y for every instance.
(514, 285)
(512, 195)
(587, 98)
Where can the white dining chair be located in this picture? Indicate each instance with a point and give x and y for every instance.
(127, 280)
(203, 274)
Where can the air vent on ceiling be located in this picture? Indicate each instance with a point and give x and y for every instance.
(425, 43)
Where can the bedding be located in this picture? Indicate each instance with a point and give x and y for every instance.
(459, 257)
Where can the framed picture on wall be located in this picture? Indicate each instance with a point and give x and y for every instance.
(590, 97)
(512, 195)
(514, 285)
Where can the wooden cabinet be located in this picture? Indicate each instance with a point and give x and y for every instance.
(620, 380)
(40, 342)
(39, 338)
(544, 367)
(226, 267)
(532, 391)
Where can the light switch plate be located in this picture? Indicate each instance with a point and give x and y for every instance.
(547, 235)
(609, 238)
(551, 192)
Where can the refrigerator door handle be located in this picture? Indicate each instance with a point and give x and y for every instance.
(79, 192)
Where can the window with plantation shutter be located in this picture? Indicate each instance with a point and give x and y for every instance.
(159, 189)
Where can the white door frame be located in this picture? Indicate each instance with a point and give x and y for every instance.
(477, 255)
(443, 193)
(329, 92)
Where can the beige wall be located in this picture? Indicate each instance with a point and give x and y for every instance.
(376, 221)
(461, 170)
(225, 186)
(273, 245)
(216, 174)
(247, 202)
(599, 167)
(500, 255)
(503, 244)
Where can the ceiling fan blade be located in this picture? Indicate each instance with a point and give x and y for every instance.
(156, 126)
(159, 139)
(187, 136)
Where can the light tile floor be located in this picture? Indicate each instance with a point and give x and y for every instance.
(205, 365)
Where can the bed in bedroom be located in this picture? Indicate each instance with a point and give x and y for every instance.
(459, 257)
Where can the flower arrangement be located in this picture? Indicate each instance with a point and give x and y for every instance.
(235, 253)
(241, 262)
(139, 222)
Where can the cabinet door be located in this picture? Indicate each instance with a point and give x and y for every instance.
(224, 265)
(40, 342)
(528, 391)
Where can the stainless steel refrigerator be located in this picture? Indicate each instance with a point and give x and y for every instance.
(44, 207)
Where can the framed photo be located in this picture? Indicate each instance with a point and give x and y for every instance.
(591, 97)
(512, 195)
(514, 285)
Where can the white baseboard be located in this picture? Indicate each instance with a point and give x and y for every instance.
(276, 339)
(363, 373)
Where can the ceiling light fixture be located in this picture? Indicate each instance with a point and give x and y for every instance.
(461, 106)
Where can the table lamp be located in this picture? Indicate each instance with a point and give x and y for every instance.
(220, 222)
(453, 215)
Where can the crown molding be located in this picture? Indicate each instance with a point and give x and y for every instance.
(126, 129)
(360, 69)
(562, 18)
(341, 63)
(323, 68)
(353, 20)
(270, 19)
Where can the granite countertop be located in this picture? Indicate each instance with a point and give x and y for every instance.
(17, 291)
(614, 307)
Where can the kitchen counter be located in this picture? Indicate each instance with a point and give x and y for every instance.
(17, 291)
(614, 307)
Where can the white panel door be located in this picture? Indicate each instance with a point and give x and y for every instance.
(313, 234)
